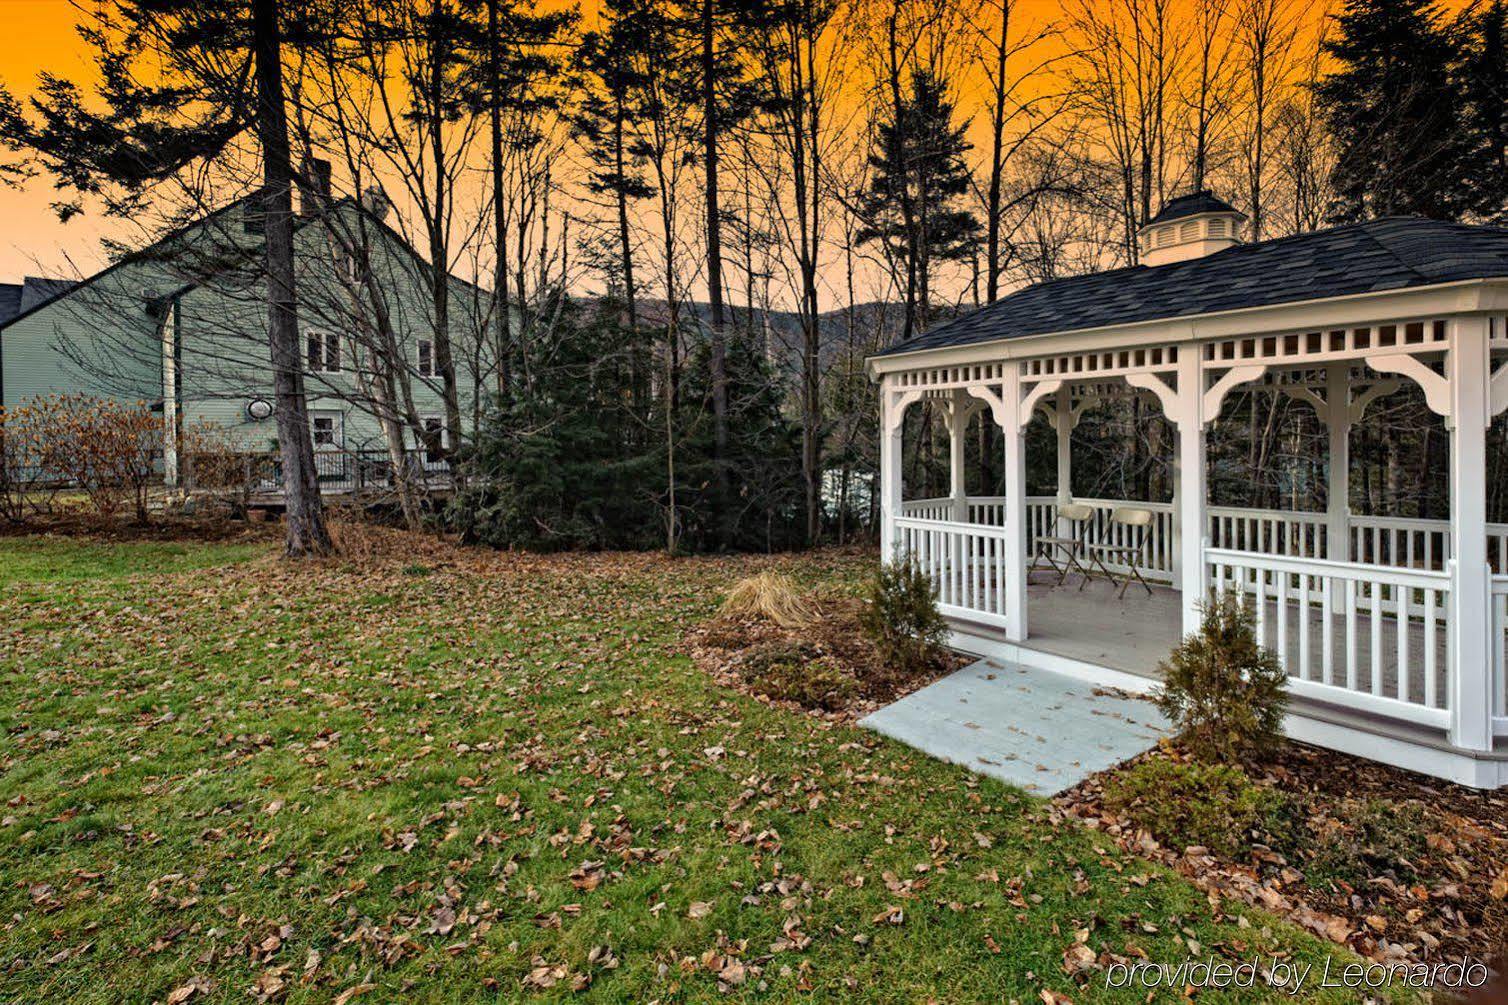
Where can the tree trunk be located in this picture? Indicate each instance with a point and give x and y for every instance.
(304, 509)
(719, 342)
(439, 240)
(499, 213)
(625, 239)
(997, 165)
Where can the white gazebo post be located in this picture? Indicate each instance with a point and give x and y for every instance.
(958, 412)
(892, 410)
(1467, 370)
(1191, 483)
(1062, 424)
(1013, 426)
(1337, 416)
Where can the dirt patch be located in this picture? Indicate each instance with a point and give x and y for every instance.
(1395, 865)
(157, 528)
(749, 654)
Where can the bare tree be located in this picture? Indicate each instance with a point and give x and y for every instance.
(1127, 62)
(1020, 105)
(1265, 32)
(793, 47)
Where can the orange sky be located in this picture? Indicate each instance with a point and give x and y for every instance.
(32, 240)
(41, 36)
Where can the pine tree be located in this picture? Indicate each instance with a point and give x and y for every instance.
(602, 121)
(1394, 110)
(564, 461)
(912, 203)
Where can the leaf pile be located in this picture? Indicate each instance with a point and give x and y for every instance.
(1394, 865)
(828, 649)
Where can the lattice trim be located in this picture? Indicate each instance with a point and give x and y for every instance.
(1328, 344)
(1108, 363)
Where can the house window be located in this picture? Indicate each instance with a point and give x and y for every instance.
(434, 426)
(324, 352)
(426, 358)
(326, 429)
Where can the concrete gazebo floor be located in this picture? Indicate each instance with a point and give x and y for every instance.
(1093, 625)
(1036, 729)
(1136, 632)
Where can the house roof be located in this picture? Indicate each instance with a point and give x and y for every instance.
(1203, 201)
(18, 298)
(10, 301)
(1389, 254)
(37, 289)
(47, 291)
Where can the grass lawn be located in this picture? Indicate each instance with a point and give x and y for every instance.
(429, 775)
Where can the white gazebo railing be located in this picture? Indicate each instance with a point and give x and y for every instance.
(1500, 655)
(1269, 532)
(1366, 637)
(1398, 542)
(965, 561)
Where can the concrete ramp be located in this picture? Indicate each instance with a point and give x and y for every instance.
(1036, 729)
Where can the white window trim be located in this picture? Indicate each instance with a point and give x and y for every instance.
(325, 341)
(338, 427)
(424, 371)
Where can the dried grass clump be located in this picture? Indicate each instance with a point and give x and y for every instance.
(771, 597)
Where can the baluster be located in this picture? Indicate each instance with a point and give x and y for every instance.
(1375, 600)
(1431, 695)
(1350, 590)
(1403, 642)
(1304, 625)
(1327, 630)
(1282, 599)
(1259, 587)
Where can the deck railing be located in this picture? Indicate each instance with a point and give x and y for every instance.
(965, 561)
(1500, 655)
(1270, 532)
(1398, 542)
(356, 470)
(1364, 636)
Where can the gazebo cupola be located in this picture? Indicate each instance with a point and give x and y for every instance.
(1190, 226)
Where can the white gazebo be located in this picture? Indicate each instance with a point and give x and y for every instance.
(1393, 631)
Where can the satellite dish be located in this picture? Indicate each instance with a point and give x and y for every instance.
(258, 409)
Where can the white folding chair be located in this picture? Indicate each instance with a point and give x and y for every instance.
(1069, 546)
(1135, 521)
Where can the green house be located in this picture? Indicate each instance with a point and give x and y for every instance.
(181, 326)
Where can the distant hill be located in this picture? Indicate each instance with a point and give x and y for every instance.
(875, 325)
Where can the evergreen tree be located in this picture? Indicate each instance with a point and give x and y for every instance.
(1484, 89)
(911, 206)
(743, 493)
(563, 462)
(1395, 110)
(602, 121)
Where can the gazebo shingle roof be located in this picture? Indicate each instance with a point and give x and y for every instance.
(1389, 254)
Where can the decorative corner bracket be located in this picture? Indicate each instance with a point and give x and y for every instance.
(898, 405)
(1036, 394)
(1436, 388)
(1210, 405)
(1497, 391)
